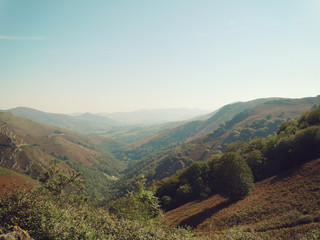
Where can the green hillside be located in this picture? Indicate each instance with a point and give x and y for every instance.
(163, 154)
(280, 206)
(231, 174)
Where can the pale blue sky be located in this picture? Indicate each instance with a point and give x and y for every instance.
(107, 56)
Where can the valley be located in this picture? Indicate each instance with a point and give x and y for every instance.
(183, 165)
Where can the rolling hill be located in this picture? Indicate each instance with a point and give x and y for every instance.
(166, 152)
(98, 124)
(84, 123)
(26, 146)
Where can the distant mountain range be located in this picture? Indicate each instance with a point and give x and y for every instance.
(62, 120)
(157, 151)
(156, 116)
(127, 127)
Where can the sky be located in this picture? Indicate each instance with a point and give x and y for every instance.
(68, 56)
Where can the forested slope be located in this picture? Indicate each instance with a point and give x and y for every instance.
(260, 120)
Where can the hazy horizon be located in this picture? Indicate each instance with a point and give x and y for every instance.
(123, 56)
(118, 112)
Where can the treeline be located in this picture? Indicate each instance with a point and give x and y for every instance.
(233, 173)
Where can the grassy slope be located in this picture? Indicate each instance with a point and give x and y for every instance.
(10, 178)
(50, 139)
(280, 207)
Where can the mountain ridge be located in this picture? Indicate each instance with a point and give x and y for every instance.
(179, 154)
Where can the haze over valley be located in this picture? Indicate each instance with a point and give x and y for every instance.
(159, 119)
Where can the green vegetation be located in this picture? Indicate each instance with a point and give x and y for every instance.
(231, 174)
(59, 210)
(139, 204)
(3, 171)
(257, 128)
(227, 175)
(53, 211)
(284, 206)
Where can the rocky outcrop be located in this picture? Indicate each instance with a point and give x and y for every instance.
(15, 155)
(16, 233)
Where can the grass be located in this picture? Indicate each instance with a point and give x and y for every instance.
(3, 171)
(281, 206)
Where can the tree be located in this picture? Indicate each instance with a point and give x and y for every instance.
(140, 204)
(310, 118)
(233, 177)
(63, 187)
(306, 144)
(196, 175)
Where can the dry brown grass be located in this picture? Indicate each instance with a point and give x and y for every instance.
(281, 206)
(9, 179)
(41, 140)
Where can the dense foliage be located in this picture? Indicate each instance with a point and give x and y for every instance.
(52, 211)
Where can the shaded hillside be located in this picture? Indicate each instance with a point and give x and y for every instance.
(281, 206)
(178, 151)
(259, 121)
(228, 112)
(27, 145)
(196, 129)
(184, 133)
